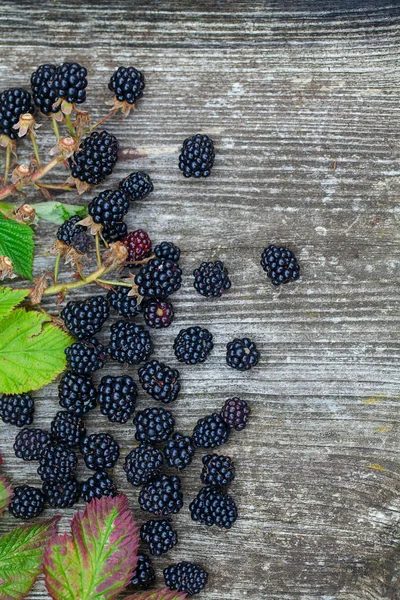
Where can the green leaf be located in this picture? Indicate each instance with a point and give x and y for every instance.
(10, 298)
(97, 560)
(5, 495)
(16, 242)
(31, 351)
(161, 594)
(56, 212)
(21, 557)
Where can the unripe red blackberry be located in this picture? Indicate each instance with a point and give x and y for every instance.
(138, 245)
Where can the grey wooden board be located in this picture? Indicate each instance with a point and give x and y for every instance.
(289, 90)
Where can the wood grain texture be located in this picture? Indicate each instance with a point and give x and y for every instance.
(301, 99)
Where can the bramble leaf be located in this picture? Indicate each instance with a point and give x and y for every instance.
(57, 212)
(5, 495)
(96, 561)
(9, 299)
(21, 557)
(31, 351)
(161, 594)
(16, 242)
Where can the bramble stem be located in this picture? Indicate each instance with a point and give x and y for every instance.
(110, 114)
(61, 186)
(119, 283)
(61, 287)
(98, 255)
(57, 268)
(55, 127)
(35, 148)
(8, 161)
(69, 125)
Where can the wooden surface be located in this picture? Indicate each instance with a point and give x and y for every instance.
(302, 100)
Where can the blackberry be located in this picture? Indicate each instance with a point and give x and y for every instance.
(167, 251)
(242, 354)
(44, 92)
(127, 84)
(211, 279)
(280, 264)
(86, 357)
(98, 485)
(235, 413)
(81, 243)
(13, 103)
(144, 574)
(126, 306)
(138, 246)
(70, 82)
(96, 157)
(193, 345)
(117, 398)
(217, 470)
(114, 232)
(69, 229)
(17, 409)
(160, 381)
(76, 393)
(67, 428)
(143, 464)
(213, 507)
(197, 156)
(100, 451)
(159, 536)
(129, 343)
(158, 314)
(136, 186)
(162, 495)
(211, 431)
(29, 443)
(153, 425)
(186, 577)
(159, 278)
(109, 206)
(27, 502)
(179, 451)
(62, 495)
(57, 464)
(84, 318)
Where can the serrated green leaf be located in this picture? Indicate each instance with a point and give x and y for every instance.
(5, 495)
(21, 557)
(161, 594)
(31, 351)
(96, 561)
(10, 298)
(16, 242)
(57, 212)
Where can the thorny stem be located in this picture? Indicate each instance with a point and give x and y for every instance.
(55, 127)
(35, 148)
(110, 114)
(62, 287)
(69, 125)
(57, 268)
(35, 177)
(8, 160)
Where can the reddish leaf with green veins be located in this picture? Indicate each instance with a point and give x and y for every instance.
(5, 493)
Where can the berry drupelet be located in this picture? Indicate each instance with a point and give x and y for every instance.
(211, 279)
(211, 431)
(44, 92)
(159, 278)
(197, 156)
(213, 507)
(235, 413)
(68, 231)
(158, 314)
(136, 186)
(27, 502)
(57, 464)
(159, 536)
(143, 464)
(61, 495)
(153, 425)
(17, 409)
(117, 397)
(110, 206)
(100, 451)
(186, 577)
(86, 357)
(242, 354)
(67, 428)
(179, 451)
(193, 345)
(98, 485)
(138, 246)
(160, 381)
(162, 495)
(14, 103)
(70, 82)
(144, 575)
(84, 318)
(280, 264)
(126, 306)
(29, 443)
(168, 251)
(95, 159)
(76, 393)
(114, 232)
(217, 470)
(129, 343)
(127, 84)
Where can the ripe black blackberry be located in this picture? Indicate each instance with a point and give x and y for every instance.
(96, 157)
(186, 577)
(197, 156)
(242, 354)
(129, 343)
(110, 206)
(57, 463)
(68, 231)
(86, 357)
(162, 495)
(13, 103)
(98, 485)
(29, 443)
(76, 393)
(210, 432)
(126, 306)
(84, 318)
(70, 82)
(213, 507)
(17, 409)
(158, 314)
(117, 397)
(144, 575)
(67, 428)
(138, 246)
(153, 425)
(160, 381)
(280, 264)
(113, 232)
(62, 495)
(217, 470)
(211, 279)
(159, 278)
(193, 345)
(167, 251)
(159, 536)
(235, 413)
(142, 464)
(27, 502)
(179, 451)
(44, 92)
(81, 243)
(100, 451)
(136, 186)
(127, 84)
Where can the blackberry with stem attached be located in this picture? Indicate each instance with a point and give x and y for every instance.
(143, 464)
(159, 536)
(86, 357)
(100, 451)
(44, 92)
(95, 159)
(159, 278)
(153, 425)
(167, 251)
(62, 495)
(117, 397)
(110, 206)
(280, 264)
(186, 577)
(217, 470)
(213, 507)
(76, 393)
(211, 431)
(84, 318)
(81, 243)
(138, 246)
(162, 495)
(29, 443)
(158, 314)
(179, 451)
(98, 485)
(211, 279)
(193, 345)
(68, 428)
(113, 232)
(144, 575)
(127, 84)
(57, 463)
(160, 381)
(235, 413)
(68, 231)
(27, 502)
(197, 156)
(70, 82)
(13, 103)
(136, 186)
(17, 409)
(242, 354)
(125, 305)
(129, 343)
